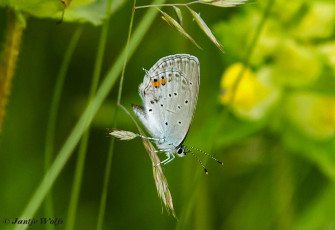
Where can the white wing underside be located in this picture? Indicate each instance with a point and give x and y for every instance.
(169, 107)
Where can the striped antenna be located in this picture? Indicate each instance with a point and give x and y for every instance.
(189, 151)
(205, 154)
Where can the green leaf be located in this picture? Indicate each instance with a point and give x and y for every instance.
(91, 11)
(94, 12)
(38, 8)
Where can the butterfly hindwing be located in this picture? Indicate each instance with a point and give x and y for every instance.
(169, 93)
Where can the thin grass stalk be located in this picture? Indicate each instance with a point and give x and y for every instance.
(85, 119)
(103, 199)
(15, 27)
(80, 164)
(126, 56)
(51, 126)
(187, 211)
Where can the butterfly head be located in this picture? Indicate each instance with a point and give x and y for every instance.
(181, 151)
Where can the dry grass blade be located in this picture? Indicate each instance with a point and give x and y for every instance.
(123, 135)
(174, 23)
(160, 179)
(179, 15)
(205, 28)
(223, 3)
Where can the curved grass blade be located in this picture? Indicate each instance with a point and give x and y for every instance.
(160, 179)
(223, 3)
(179, 15)
(174, 23)
(201, 23)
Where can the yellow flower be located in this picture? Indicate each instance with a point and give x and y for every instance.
(253, 95)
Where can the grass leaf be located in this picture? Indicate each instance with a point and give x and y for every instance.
(179, 15)
(223, 3)
(205, 28)
(174, 23)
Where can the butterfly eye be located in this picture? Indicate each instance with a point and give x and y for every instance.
(180, 151)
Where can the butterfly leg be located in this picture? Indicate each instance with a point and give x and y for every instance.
(148, 138)
(168, 159)
(157, 151)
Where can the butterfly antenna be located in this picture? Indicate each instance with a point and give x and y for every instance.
(205, 154)
(189, 151)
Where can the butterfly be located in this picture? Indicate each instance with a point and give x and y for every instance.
(169, 93)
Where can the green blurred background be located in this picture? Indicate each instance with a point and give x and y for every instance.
(276, 139)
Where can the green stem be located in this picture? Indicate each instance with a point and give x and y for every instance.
(50, 133)
(10, 53)
(71, 218)
(126, 57)
(85, 119)
(250, 49)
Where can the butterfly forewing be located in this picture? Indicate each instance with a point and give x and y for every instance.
(169, 93)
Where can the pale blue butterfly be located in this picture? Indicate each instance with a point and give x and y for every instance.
(169, 92)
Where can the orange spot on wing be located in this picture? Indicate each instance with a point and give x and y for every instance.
(155, 83)
(163, 81)
(170, 79)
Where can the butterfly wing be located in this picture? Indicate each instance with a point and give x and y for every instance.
(169, 93)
